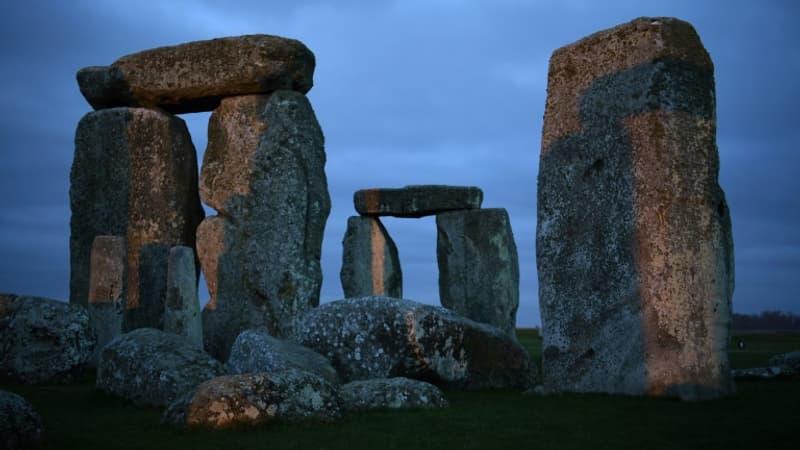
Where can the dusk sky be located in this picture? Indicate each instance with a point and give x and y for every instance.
(408, 92)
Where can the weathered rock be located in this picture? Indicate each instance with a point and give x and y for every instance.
(152, 367)
(391, 393)
(478, 266)
(264, 171)
(416, 201)
(791, 359)
(195, 76)
(107, 280)
(134, 175)
(43, 340)
(634, 245)
(383, 337)
(20, 424)
(370, 263)
(182, 310)
(255, 351)
(256, 399)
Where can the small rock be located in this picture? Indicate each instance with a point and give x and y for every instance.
(43, 340)
(391, 393)
(152, 367)
(370, 263)
(416, 201)
(20, 424)
(256, 351)
(764, 373)
(256, 399)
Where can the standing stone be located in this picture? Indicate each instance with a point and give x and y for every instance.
(195, 76)
(106, 290)
(370, 264)
(417, 200)
(182, 312)
(264, 172)
(634, 245)
(134, 175)
(478, 266)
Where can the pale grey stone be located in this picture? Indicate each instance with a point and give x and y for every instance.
(416, 201)
(152, 367)
(182, 311)
(20, 424)
(391, 393)
(478, 266)
(370, 263)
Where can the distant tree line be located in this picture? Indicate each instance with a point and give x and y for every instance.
(767, 320)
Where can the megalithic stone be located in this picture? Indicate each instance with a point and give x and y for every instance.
(134, 175)
(633, 243)
(107, 285)
(478, 266)
(370, 263)
(182, 309)
(264, 172)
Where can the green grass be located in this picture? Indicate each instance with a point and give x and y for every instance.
(761, 415)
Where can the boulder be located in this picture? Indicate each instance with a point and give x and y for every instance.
(154, 368)
(478, 266)
(383, 337)
(43, 340)
(256, 351)
(416, 201)
(633, 245)
(107, 280)
(391, 393)
(256, 399)
(182, 309)
(134, 175)
(264, 172)
(20, 424)
(370, 263)
(196, 76)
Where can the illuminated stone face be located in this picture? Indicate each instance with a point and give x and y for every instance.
(634, 245)
(370, 263)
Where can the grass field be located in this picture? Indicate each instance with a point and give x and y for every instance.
(761, 415)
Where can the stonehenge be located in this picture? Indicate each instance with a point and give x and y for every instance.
(633, 243)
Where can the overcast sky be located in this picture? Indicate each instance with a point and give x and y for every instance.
(408, 92)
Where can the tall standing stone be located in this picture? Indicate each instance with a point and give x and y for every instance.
(634, 245)
(370, 264)
(134, 175)
(478, 266)
(264, 172)
(182, 309)
(107, 283)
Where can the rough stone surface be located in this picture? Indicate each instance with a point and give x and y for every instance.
(20, 424)
(383, 337)
(370, 263)
(195, 76)
(391, 393)
(152, 367)
(134, 175)
(416, 201)
(255, 351)
(478, 266)
(182, 309)
(43, 340)
(256, 399)
(107, 283)
(634, 245)
(264, 172)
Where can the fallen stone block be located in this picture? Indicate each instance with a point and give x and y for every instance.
(391, 393)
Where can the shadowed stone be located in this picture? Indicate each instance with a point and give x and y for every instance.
(634, 245)
(182, 311)
(370, 264)
(107, 281)
(264, 172)
(256, 399)
(391, 393)
(478, 266)
(43, 340)
(416, 201)
(20, 425)
(195, 76)
(134, 175)
(383, 337)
